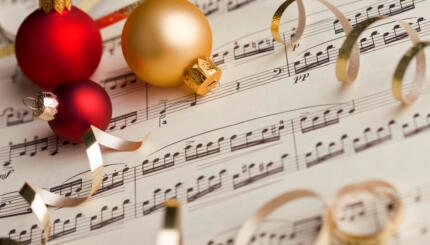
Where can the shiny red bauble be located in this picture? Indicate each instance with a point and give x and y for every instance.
(56, 47)
(81, 103)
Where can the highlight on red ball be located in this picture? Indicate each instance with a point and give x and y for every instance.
(81, 103)
(57, 47)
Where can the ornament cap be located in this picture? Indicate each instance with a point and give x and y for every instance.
(44, 106)
(58, 5)
(202, 76)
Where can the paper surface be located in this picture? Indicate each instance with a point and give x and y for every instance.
(278, 121)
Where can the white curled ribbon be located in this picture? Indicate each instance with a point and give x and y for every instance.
(39, 199)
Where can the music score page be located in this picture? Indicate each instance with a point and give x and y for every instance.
(278, 120)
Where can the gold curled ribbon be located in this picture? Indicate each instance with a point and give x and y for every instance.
(343, 64)
(354, 55)
(380, 190)
(276, 21)
(415, 51)
(38, 198)
(330, 231)
(171, 233)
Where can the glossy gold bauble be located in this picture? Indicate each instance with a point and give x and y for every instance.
(163, 38)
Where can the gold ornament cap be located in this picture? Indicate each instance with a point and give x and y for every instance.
(58, 5)
(44, 106)
(202, 76)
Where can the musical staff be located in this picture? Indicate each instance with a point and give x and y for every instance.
(12, 117)
(119, 213)
(270, 133)
(83, 224)
(161, 110)
(210, 150)
(211, 7)
(389, 8)
(115, 216)
(264, 171)
(248, 150)
(333, 151)
(31, 148)
(416, 126)
(266, 136)
(171, 106)
(68, 189)
(326, 119)
(67, 227)
(196, 193)
(382, 136)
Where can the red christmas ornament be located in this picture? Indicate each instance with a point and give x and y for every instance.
(80, 104)
(54, 46)
(73, 107)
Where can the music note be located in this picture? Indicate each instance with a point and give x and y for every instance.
(264, 136)
(210, 149)
(123, 120)
(326, 118)
(366, 45)
(418, 127)
(114, 216)
(265, 170)
(17, 117)
(68, 189)
(304, 225)
(351, 211)
(155, 206)
(211, 187)
(318, 60)
(382, 136)
(332, 151)
(162, 114)
(155, 166)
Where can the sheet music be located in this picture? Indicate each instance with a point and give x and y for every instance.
(279, 120)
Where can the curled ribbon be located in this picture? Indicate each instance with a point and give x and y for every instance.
(39, 199)
(276, 20)
(348, 60)
(399, 73)
(354, 54)
(343, 64)
(330, 230)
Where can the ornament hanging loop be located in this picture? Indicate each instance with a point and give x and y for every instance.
(202, 76)
(58, 5)
(44, 106)
(29, 102)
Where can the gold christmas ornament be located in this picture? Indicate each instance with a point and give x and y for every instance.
(168, 42)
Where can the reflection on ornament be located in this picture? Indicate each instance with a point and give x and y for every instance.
(163, 40)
